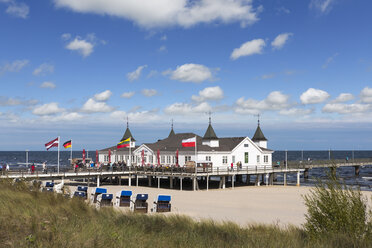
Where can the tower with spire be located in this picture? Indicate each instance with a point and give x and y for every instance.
(172, 133)
(210, 138)
(128, 134)
(258, 137)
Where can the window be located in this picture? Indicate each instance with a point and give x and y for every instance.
(173, 159)
(168, 159)
(162, 159)
(224, 159)
(245, 145)
(246, 158)
(266, 159)
(207, 158)
(258, 159)
(233, 159)
(187, 158)
(151, 159)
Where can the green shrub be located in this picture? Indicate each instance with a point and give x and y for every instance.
(334, 209)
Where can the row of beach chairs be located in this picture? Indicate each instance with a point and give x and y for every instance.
(125, 199)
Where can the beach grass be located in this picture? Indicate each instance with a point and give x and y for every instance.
(29, 218)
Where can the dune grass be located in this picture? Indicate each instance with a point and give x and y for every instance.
(29, 218)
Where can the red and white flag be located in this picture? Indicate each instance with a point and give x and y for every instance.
(53, 143)
(189, 142)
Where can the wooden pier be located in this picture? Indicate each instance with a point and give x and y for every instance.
(262, 175)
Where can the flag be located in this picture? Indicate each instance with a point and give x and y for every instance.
(96, 156)
(143, 157)
(53, 143)
(189, 142)
(67, 144)
(109, 156)
(124, 143)
(158, 156)
(83, 156)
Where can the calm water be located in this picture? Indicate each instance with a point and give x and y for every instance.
(346, 173)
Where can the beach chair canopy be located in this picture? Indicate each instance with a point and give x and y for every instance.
(49, 184)
(126, 193)
(107, 196)
(101, 191)
(80, 193)
(143, 197)
(166, 198)
(82, 188)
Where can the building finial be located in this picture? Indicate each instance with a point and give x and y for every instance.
(127, 122)
(210, 118)
(172, 123)
(258, 119)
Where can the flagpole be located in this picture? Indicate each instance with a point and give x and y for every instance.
(196, 164)
(71, 154)
(58, 154)
(130, 156)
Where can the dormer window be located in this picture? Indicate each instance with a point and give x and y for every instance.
(246, 145)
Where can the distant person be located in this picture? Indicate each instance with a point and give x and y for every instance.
(44, 168)
(347, 159)
(7, 168)
(232, 166)
(32, 168)
(76, 167)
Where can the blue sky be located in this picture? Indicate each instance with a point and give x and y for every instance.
(79, 68)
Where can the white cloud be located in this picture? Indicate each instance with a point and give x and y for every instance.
(162, 49)
(274, 101)
(324, 6)
(296, 111)
(47, 109)
(8, 101)
(186, 109)
(134, 75)
(343, 97)
(92, 106)
(103, 96)
(164, 38)
(280, 40)
(145, 116)
(127, 94)
(312, 96)
(248, 48)
(84, 47)
(14, 66)
(43, 69)
(366, 95)
(66, 36)
(49, 85)
(267, 76)
(191, 73)
(152, 73)
(209, 93)
(329, 61)
(20, 10)
(342, 108)
(166, 13)
(73, 116)
(149, 92)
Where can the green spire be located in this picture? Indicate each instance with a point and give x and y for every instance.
(258, 135)
(127, 133)
(210, 134)
(172, 133)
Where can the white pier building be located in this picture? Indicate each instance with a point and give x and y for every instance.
(220, 151)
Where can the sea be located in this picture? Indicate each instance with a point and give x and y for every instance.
(347, 174)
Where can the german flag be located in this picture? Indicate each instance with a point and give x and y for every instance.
(67, 144)
(124, 143)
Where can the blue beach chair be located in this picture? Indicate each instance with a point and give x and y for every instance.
(104, 200)
(123, 198)
(96, 192)
(162, 204)
(140, 204)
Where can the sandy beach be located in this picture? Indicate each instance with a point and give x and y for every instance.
(243, 205)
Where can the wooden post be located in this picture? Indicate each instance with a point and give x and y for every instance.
(248, 179)
(232, 181)
(149, 179)
(88, 181)
(171, 182)
(136, 180)
(98, 181)
(119, 180)
(181, 183)
(298, 178)
(207, 182)
(223, 182)
(285, 179)
(130, 180)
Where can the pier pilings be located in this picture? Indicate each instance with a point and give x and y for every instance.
(357, 170)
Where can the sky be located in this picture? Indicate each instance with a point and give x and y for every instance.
(80, 68)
